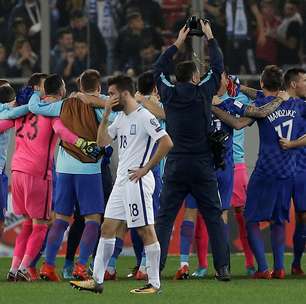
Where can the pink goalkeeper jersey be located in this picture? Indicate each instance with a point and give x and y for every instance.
(36, 138)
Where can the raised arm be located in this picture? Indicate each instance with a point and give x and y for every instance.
(6, 124)
(250, 92)
(211, 84)
(152, 104)
(107, 135)
(236, 123)
(13, 113)
(38, 107)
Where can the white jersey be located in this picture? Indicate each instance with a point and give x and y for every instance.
(136, 134)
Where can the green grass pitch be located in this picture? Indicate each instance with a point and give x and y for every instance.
(239, 290)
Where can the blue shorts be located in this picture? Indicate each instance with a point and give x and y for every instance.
(225, 180)
(268, 199)
(299, 192)
(83, 189)
(157, 189)
(3, 195)
(190, 202)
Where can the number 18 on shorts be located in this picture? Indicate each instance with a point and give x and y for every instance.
(132, 202)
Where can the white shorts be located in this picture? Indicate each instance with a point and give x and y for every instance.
(132, 202)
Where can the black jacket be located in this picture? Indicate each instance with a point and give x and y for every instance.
(188, 106)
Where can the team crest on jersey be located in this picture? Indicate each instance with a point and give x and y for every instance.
(154, 122)
(133, 129)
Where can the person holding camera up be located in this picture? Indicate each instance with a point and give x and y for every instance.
(189, 167)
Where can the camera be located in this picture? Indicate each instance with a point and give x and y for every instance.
(193, 23)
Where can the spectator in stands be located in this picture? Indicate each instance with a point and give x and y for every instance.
(267, 53)
(29, 11)
(130, 40)
(65, 7)
(240, 34)
(149, 54)
(64, 44)
(107, 14)
(150, 11)
(4, 67)
(84, 30)
(289, 35)
(6, 7)
(23, 62)
(19, 30)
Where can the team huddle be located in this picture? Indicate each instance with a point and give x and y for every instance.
(149, 125)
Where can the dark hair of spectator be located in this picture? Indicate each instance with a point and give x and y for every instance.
(133, 14)
(7, 94)
(53, 84)
(292, 75)
(122, 83)
(36, 78)
(146, 83)
(293, 2)
(272, 78)
(63, 31)
(4, 82)
(185, 70)
(76, 14)
(90, 80)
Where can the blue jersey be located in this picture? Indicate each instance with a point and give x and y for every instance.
(229, 106)
(301, 156)
(285, 122)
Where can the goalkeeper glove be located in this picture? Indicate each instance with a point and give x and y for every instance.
(233, 86)
(89, 148)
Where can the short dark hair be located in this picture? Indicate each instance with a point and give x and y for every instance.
(36, 78)
(7, 94)
(146, 83)
(123, 83)
(272, 78)
(76, 14)
(292, 75)
(90, 80)
(3, 82)
(63, 31)
(185, 70)
(53, 84)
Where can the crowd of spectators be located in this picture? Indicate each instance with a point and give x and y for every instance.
(128, 35)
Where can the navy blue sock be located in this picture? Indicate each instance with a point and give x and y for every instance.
(299, 241)
(257, 245)
(278, 245)
(187, 232)
(55, 238)
(88, 241)
(36, 259)
(116, 253)
(137, 245)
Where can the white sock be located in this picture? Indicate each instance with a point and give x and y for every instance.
(152, 263)
(142, 267)
(104, 253)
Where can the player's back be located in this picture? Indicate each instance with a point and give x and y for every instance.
(35, 145)
(284, 122)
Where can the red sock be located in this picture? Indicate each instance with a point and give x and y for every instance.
(21, 243)
(249, 259)
(34, 244)
(201, 238)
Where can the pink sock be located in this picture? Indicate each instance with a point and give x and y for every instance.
(201, 237)
(34, 244)
(20, 244)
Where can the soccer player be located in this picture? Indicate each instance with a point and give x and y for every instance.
(295, 84)
(271, 183)
(131, 199)
(74, 174)
(7, 98)
(36, 138)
